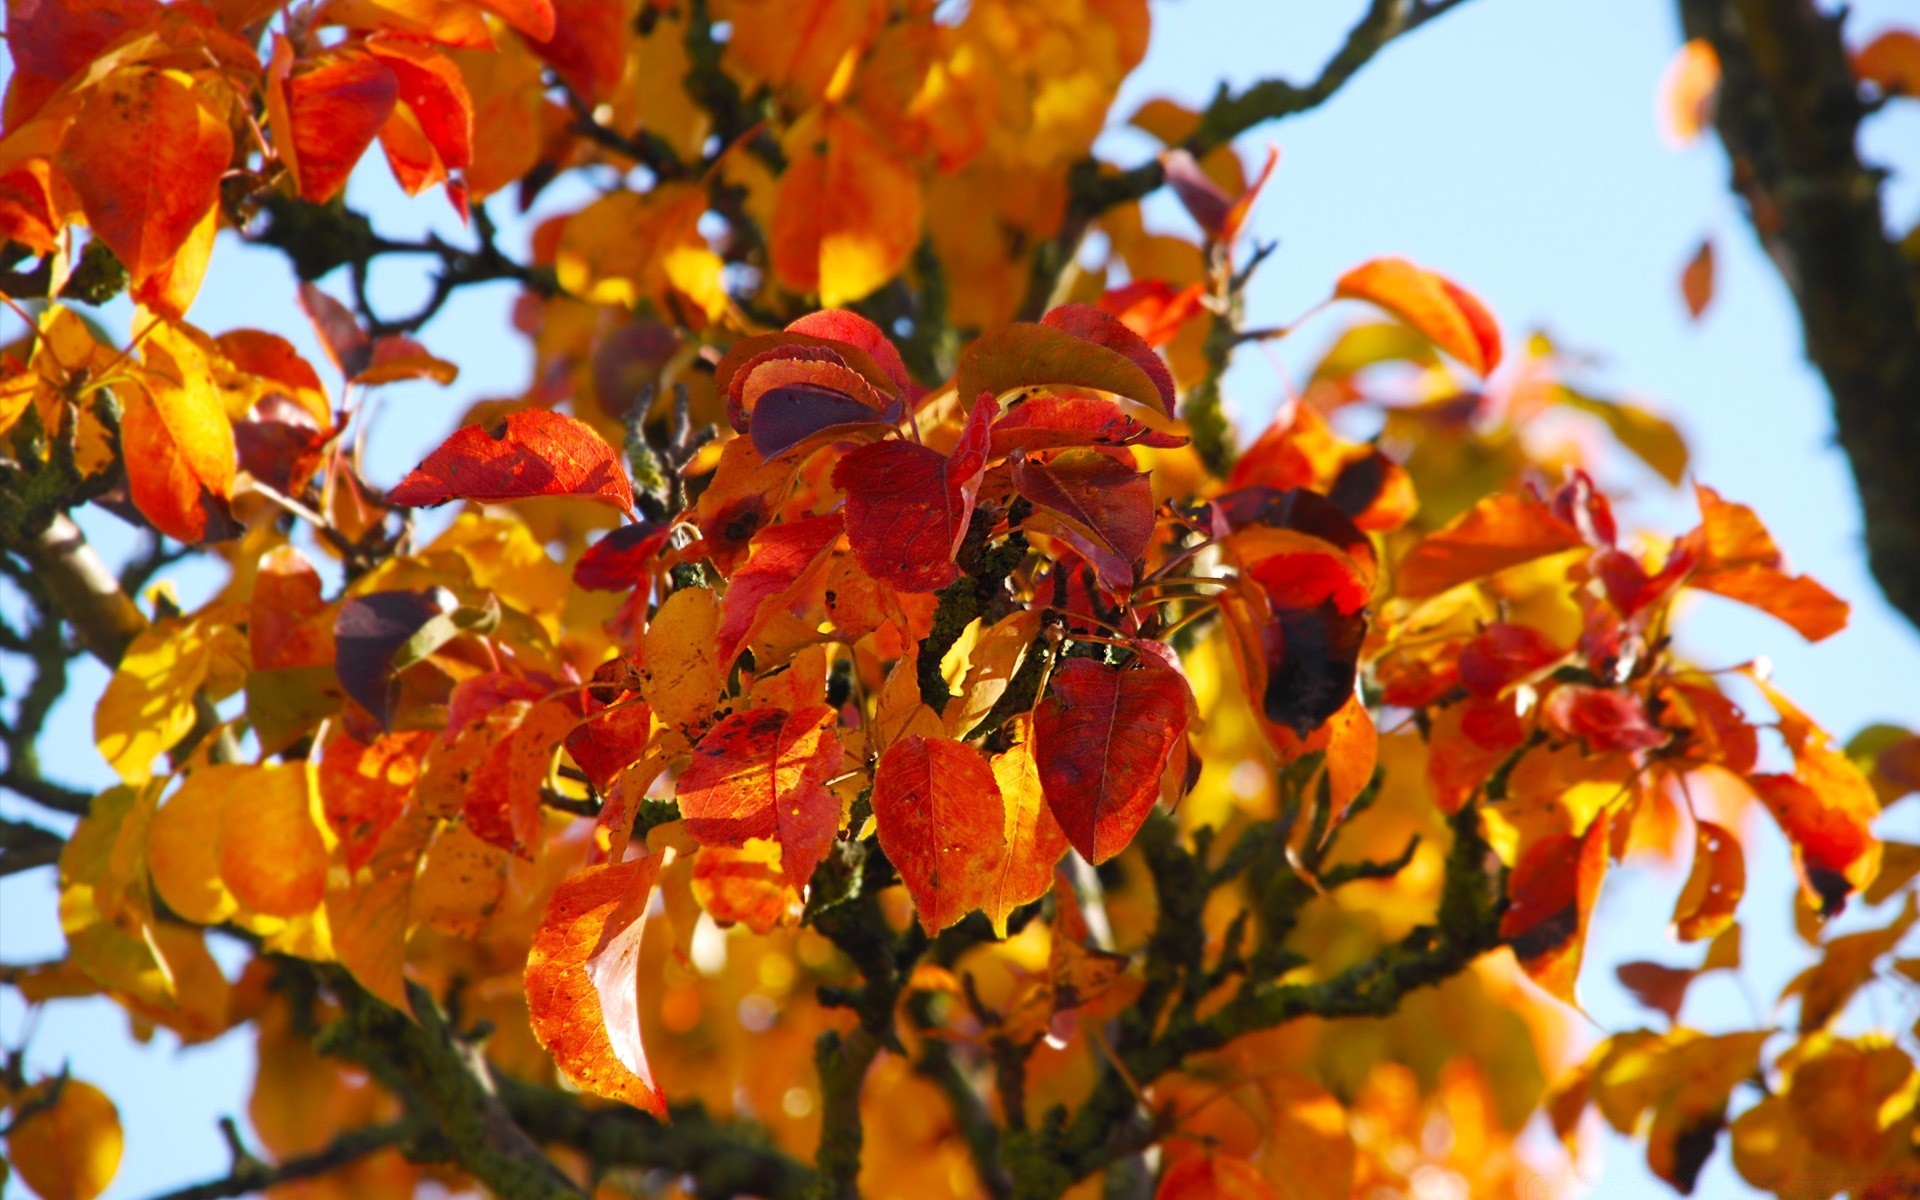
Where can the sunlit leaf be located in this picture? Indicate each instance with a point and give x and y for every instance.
(762, 774)
(942, 822)
(533, 452)
(1102, 737)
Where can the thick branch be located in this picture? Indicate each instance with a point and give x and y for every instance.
(24, 847)
(444, 1081)
(1789, 114)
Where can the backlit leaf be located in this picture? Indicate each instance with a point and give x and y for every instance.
(762, 774)
(532, 452)
(941, 821)
(908, 506)
(782, 560)
(846, 212)
(578, 972)
(1096, 503)
(1102, 737)
(145, 154)
(1038, 356)
(1687, 90)
(325, 113)
(1451, 317)
(1552, 890)
(683, 674)
(1500, 531)
(1738, 559)
(1714, 886)
(1891, 62)
(271, 856)
(1033, 841)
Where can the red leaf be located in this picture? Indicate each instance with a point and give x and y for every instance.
(1833, 844)
(852, 329)
(1714, 886)
(51, 42)
(1103, 508)
(340, 334)
(941, 821)
(782, 558)
(1089, 324)
(762, 774)
(1696, 280)
(1153, 308)
(1503, 655)
(289, 625)
(583, 984)
(611, 740)
(1102, 737)
(588, 46)
(908, 506)
(327, 114)
(432, 89)
(1605, 720)
(623, 559)
(1047, 422)
(1552, 890)
(533, 452)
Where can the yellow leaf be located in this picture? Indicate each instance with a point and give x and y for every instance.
(147, 706)
(683, 676)
(69, 1150)
(846, 212)
(798, 44)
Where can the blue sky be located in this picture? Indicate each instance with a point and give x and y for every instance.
(1511, 145)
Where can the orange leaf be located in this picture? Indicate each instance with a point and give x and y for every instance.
(582, 986)
(1686, 93)
(1034, 840)
(846, 213)
(1737, 558)
(363, 786)
(782, 560)
(1101, 738)
(1696, 280)
(762, 774)
(1891, 62)
(908, 506)
(588, 46)
(1499, 532)
(65, 1145)
(431, 89)
(798, 44)
(50, 43)
(1714, 886)
(941, 821)
(533, 452)
(176, 440)
(1451, 317)
(535, 18)
(271, 855)
(145, 155)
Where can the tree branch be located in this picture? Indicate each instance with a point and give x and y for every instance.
(250, 1175)
(24, 847)
(1228, 116)
(1789, 114)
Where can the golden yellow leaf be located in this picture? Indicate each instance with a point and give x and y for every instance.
(183, 846)
(271, 854)
(682, 676)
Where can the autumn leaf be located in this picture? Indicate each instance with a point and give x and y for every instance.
(1213, 1177)
(908, 506)
(1687, 90)
(1451, 317)
(783, 558)
(1096, 503)
(1032, 839)
(622, 560)
(1053, 422)
(1091, 324)
(762, 774)
(364, 786)
(1102, 737)
(851, 329)
(1714, 887)
(1500, 531)
(846, 213)
(1039, 356)
(1891, 62)
(1696, 280)
(271, 855)
(1552, 891)
(325, 112)
(1737, 558)
(64, 1139)
(177, 441)
(941, 821)
(532, 452)
(683, 674)
(145, 154)
(580, 971)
